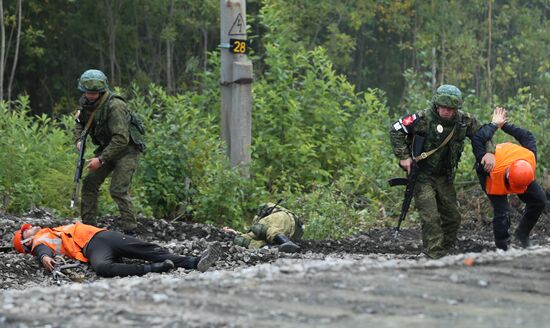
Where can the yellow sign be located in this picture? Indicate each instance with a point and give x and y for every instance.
(239, 46)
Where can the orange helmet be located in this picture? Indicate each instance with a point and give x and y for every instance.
(520, 176)
(18, 238)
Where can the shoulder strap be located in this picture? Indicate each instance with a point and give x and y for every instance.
(102, 101)
(425, 155)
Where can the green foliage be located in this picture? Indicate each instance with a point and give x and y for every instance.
(531, 112)
(318, 143)
(34, 161)
(184, 172)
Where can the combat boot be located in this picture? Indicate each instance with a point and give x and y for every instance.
(285, 244)
(158, 267)
(502, 243)
(209, 257)
(522, 238)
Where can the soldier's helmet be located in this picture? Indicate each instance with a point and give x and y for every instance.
(93, 80)
(447, 95)
(266, 209)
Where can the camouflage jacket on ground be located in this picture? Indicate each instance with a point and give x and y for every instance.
(115, 130)
(428, 124)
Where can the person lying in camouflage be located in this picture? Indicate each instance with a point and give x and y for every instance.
(273, 225)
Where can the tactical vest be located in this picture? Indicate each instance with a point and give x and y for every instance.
(298, 225)
(445, 160)
(68, 240)
(506, 154)
(100, 130)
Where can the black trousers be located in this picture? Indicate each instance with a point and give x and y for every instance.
(106, 248)
(535, 202)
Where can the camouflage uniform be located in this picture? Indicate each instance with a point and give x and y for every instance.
(119, 136)
(264, 230)
(434, 194)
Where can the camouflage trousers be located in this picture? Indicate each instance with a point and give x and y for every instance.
(435, 200)
(271, 226)
(122, 171)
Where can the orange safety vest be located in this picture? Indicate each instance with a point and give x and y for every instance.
(68, 240)
(505, 154)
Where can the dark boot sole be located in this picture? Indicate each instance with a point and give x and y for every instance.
(289, 248)
(212, 255)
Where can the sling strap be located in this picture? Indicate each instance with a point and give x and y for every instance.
(425, 155)
(104, 98)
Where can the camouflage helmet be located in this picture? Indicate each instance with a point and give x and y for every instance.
(447, 95)
(93, 80)
(264, 209)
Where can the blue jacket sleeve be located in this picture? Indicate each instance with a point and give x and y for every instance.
(480, 139)
(42, 250)
(523, 136)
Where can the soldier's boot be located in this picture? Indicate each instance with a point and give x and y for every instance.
(128, 225)
(209, 257)
(163, 266)
(285, 244)
(502, 243)
(522, 236)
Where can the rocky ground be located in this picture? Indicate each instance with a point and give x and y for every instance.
(370, 277)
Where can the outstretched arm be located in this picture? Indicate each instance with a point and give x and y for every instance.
(481, 141)
(523, 136)
(45, 256)
(486, 132)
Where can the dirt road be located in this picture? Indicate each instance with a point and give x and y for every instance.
(510, 289)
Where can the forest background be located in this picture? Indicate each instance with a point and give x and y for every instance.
(330, 78)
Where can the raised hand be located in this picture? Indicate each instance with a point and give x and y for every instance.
(500, 116)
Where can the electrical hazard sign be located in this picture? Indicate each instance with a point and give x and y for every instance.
(238, 27)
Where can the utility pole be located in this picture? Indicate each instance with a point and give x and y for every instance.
(236, 84)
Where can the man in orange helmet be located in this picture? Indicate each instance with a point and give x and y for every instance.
(510, 170)
(102, 248)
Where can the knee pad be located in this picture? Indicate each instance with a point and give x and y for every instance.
(241, 241)
(260, 230)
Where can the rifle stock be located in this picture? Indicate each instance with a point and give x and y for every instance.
(409, 182)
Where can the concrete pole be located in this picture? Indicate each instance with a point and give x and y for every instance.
(236, 86)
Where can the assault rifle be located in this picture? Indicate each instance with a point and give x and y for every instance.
(57, 273)
(82, 150)
(409, 182)
(265, 211)
(79, 166)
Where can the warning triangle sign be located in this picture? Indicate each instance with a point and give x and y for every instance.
(238, 27)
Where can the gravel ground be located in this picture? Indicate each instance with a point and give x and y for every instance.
(370, 277)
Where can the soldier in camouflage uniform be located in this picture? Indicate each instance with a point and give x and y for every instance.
(434, 194)
(118, 133)
(273, 224)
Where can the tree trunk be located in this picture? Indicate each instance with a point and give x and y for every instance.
(169, 53)
(17, 41)
(434, 67)
(489, 46)
(111, 31)
(169, 69)
(2, 49)
(205, 49)
(443, 55)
